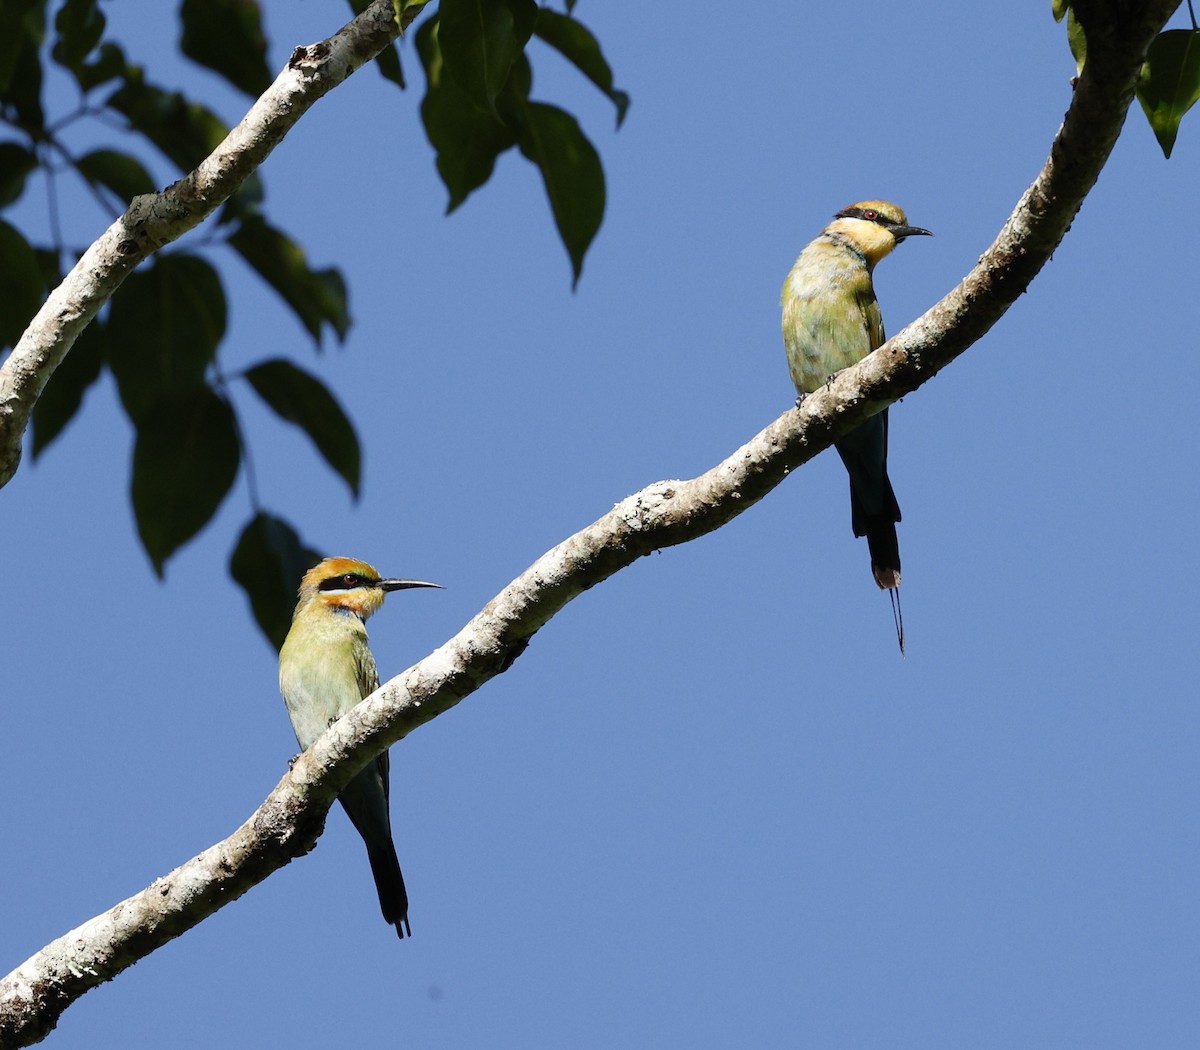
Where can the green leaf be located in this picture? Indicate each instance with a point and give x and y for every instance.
(318, 297)
(185, 131)
(1169, 84)
(575, 42)
(21, 22)
(402, 7)
(22, 30)
(388, 64)
(15, 163)
(164, 325)
(480, 40)
(227, 37)
(301, 398)
(119, 172)
(570, 166)
(267, 564)
(467, 140)
(1059, 8)
(63, 395)
(1077, 40)
(80, 24)
(21, 281)
(49, 266)
(185, 460)
(108, 65)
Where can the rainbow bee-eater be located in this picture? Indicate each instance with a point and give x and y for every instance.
(325, 669)
(831, 321)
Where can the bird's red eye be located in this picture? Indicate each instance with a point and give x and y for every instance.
(871, 214)
(349, 579)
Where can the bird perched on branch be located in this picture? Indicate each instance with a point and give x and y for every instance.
(831, 321)
(325, 669)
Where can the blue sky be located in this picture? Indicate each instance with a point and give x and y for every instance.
(711, 805)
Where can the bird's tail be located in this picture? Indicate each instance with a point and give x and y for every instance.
(389, 884)
(874, 510)
(365, 800)
(885, 562)
(878, 524)
(883, 545)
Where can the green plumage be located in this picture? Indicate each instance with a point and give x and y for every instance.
(325, 669)
(831, 320)
(831, 317)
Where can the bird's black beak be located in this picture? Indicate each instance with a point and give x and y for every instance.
(900, 232)
(403, 585)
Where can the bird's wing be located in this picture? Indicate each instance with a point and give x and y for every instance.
(872, 318)
(368, 673)
(831, 318)
(368, 682)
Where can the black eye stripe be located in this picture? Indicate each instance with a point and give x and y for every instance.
(867, 215)
(347, 581)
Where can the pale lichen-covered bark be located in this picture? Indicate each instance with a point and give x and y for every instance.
(660, 515)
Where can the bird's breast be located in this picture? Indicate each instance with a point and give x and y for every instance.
(320, 669)
(827, 301)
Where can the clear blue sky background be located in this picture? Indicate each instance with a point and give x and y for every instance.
(710, 806)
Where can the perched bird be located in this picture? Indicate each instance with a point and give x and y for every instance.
(325, 669)
(831, 320)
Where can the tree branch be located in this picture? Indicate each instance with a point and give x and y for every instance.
(660, 515)
(154, 220)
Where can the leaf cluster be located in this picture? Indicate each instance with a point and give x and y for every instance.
(1169, 84)
(161, 334)
(477, 106)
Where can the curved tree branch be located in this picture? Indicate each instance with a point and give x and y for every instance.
(286, 825)
(154, 220)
